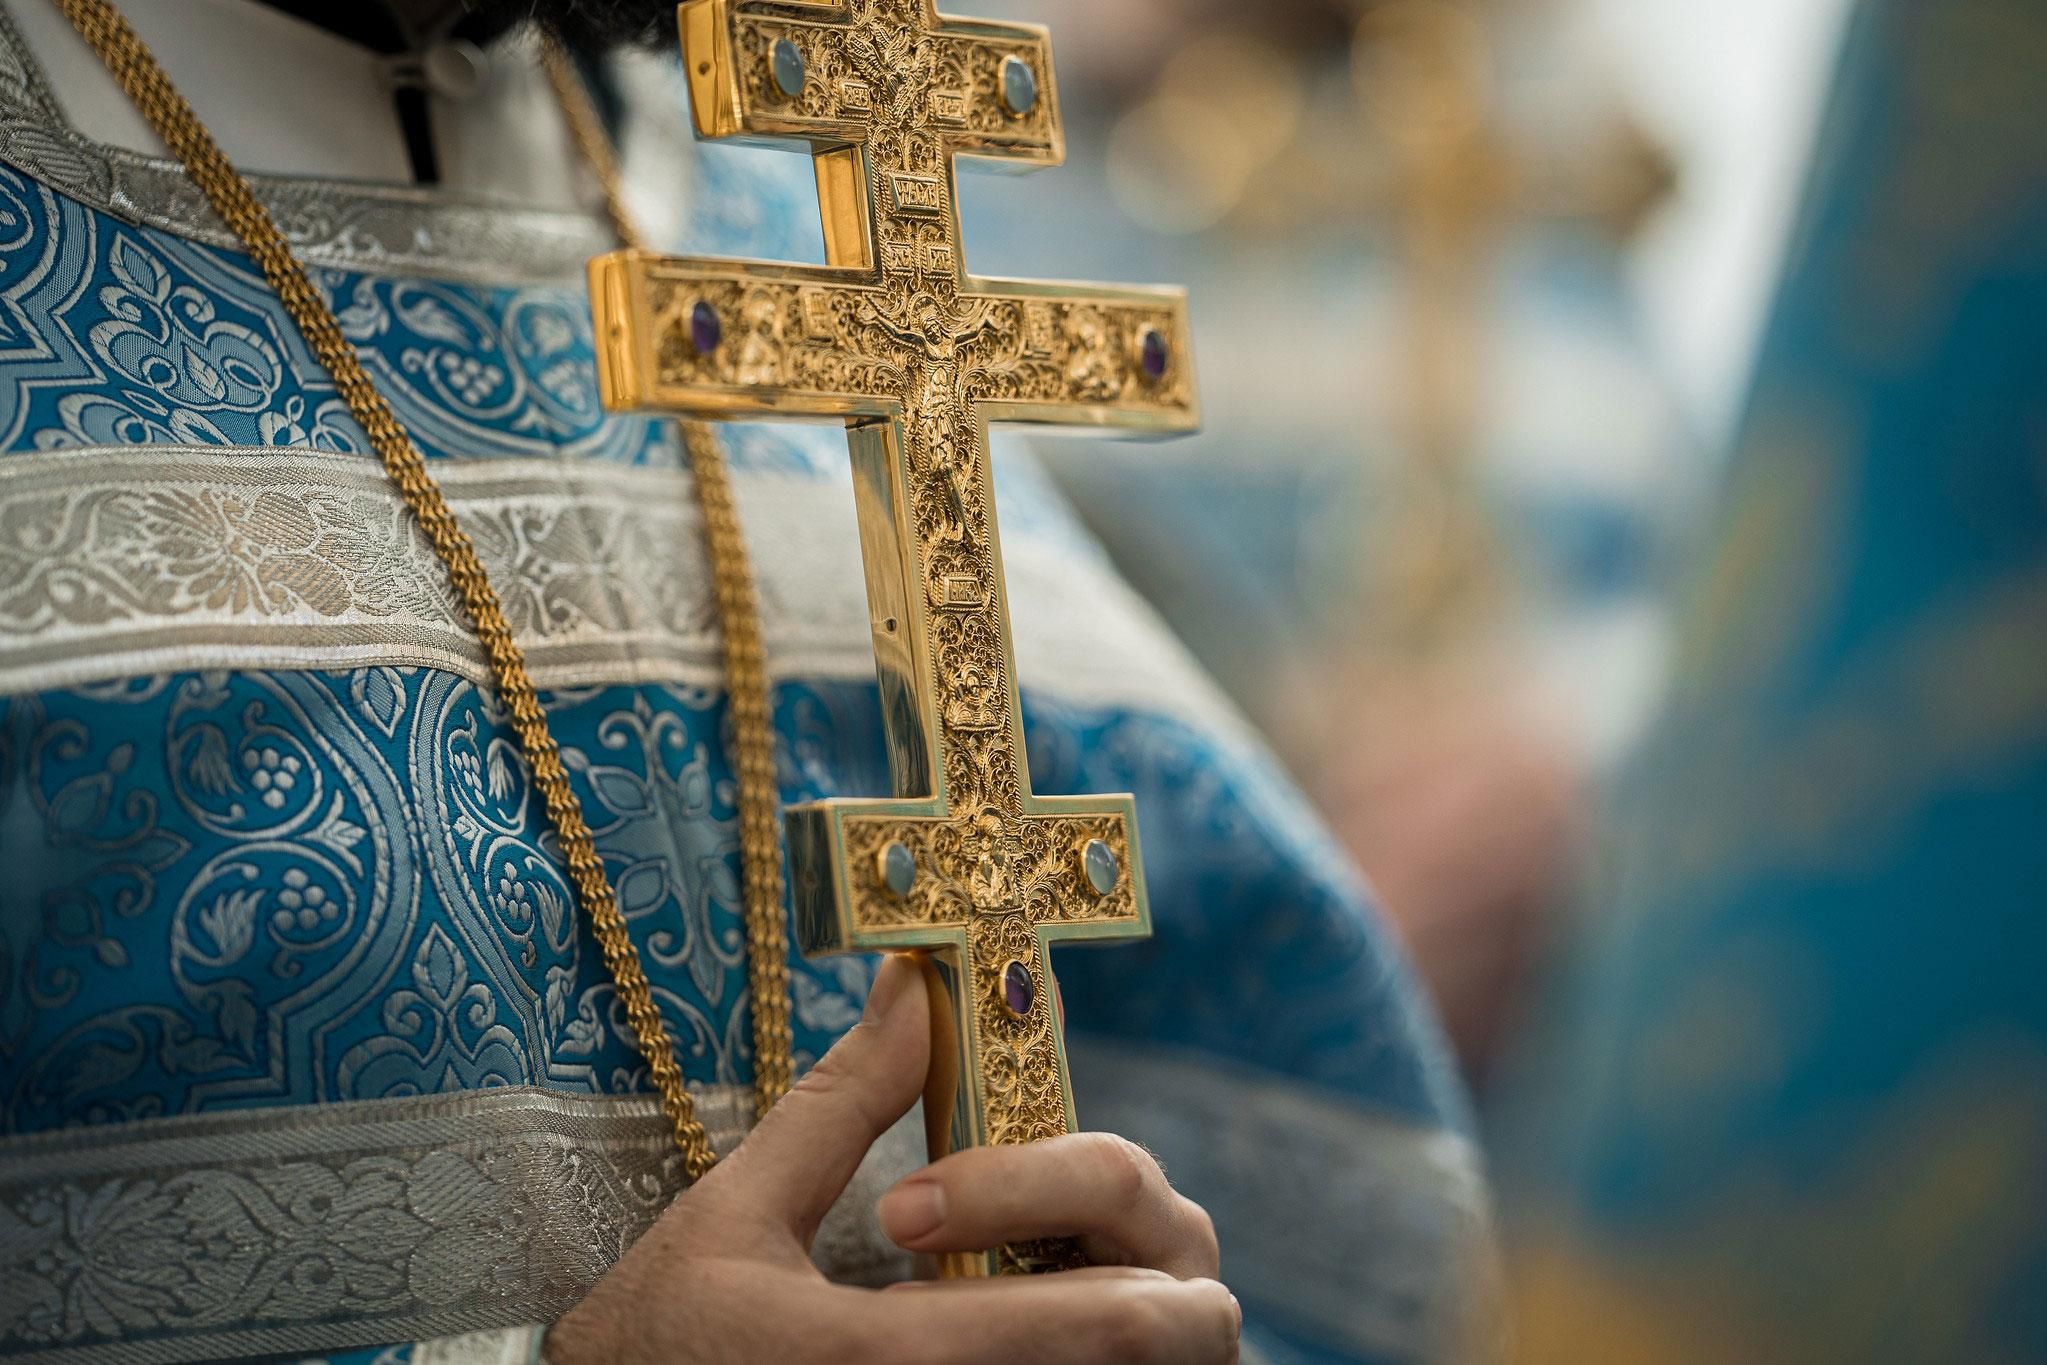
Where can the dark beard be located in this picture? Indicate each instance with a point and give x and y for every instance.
(584, 25)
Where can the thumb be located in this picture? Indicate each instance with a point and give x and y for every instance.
(795, 1164)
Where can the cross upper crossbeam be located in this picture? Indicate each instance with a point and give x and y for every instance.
(892, 336)
(806, 342)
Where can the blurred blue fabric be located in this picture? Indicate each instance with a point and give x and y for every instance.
(1790, 1102)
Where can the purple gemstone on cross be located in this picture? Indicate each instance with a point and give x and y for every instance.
(1019, 992)
(1152, 354)
(704, 327)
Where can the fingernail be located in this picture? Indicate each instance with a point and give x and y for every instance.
(912, 1210)
(888, 984)
(1238, 1310)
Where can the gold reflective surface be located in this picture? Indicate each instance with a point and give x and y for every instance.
(917, 356)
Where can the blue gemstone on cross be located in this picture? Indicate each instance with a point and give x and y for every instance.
(1098, 860)
(791, 71)
(1019, 85)
(898, 869)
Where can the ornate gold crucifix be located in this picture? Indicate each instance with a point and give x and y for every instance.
(966, 864)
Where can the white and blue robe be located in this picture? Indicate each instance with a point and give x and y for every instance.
(304, 1049)
(1786, 1103)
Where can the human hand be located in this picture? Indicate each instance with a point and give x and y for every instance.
(725, 1274)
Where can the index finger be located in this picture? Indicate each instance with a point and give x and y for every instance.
(796, 1162)
(1102, 1188)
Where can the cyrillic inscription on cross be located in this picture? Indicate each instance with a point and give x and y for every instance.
(966, 864)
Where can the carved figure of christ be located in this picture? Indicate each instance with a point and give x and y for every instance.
(965, 864)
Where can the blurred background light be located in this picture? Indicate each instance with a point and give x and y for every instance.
(1475, 285)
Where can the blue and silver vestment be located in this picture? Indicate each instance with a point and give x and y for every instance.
(302, 1047)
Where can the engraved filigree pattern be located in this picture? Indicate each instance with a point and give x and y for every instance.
(811, 346)
(887, 75)
(1028, 866)
(896, 330)
(1023, 1090)
(999, 878)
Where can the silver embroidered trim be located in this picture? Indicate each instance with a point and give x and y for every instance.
(303, 1230)
(348, 225)
(1369, 1232)
(129, 561)
(509, 1346)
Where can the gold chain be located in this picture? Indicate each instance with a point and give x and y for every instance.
(746, 674)
(151, 91)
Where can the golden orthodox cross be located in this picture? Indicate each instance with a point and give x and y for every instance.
(892, 335)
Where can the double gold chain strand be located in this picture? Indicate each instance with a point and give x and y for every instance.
(151, 91)
(746, 675)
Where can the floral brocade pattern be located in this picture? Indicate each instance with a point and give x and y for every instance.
(288, 888)
(270, 887)
(117, 335)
